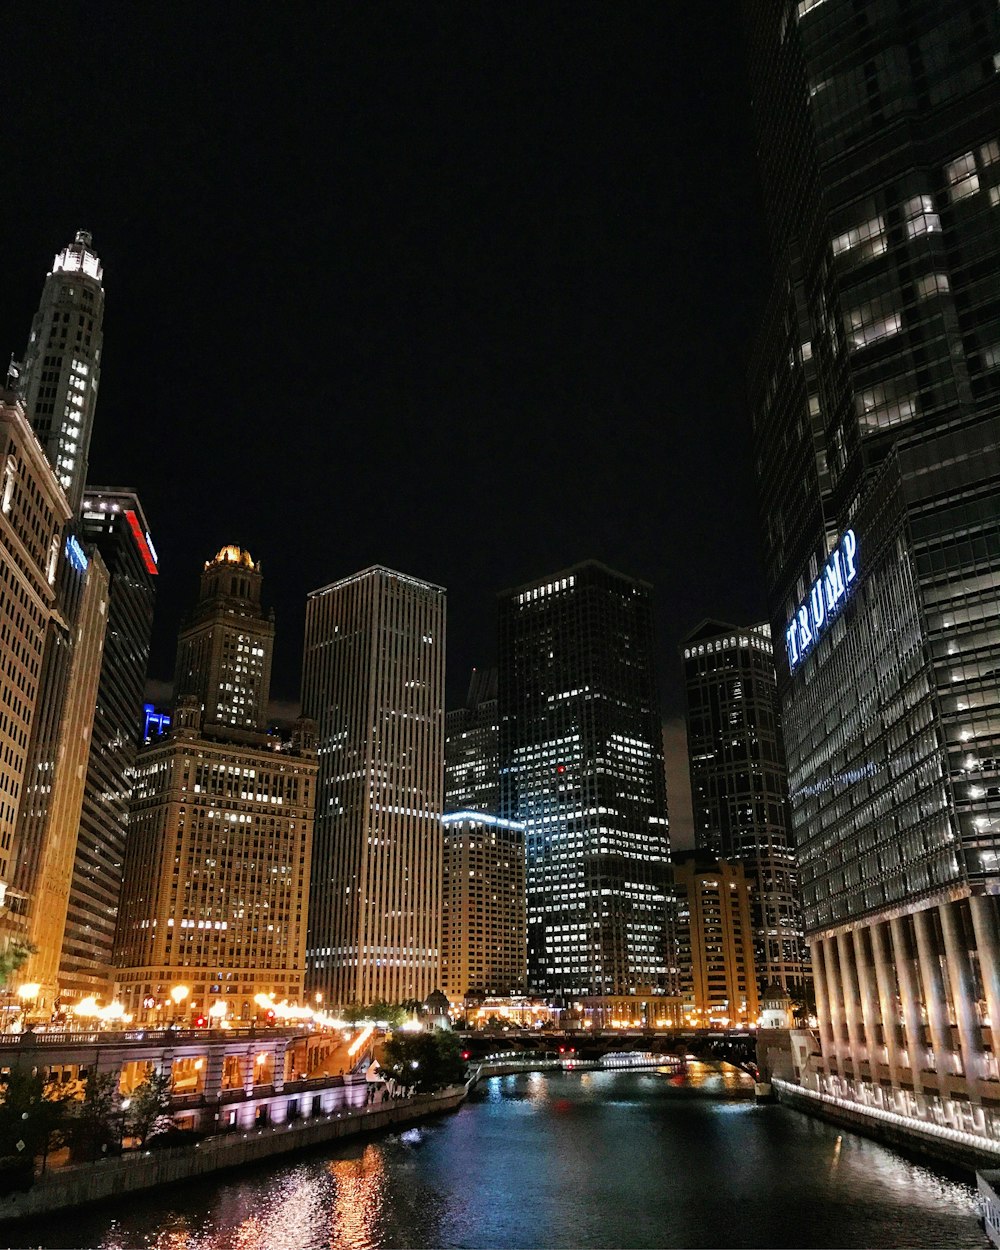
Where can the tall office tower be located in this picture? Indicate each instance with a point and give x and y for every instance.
(471, 738)
(581, 766)
(216, 878)
(739, 787)
(52, 799)
(482, 916)
(876, 401)
(225, 645)
(113, 521)
(715, 937)
(33, 512)
(373, 681)
(62, 363)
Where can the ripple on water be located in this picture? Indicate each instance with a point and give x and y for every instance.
(618, 1159)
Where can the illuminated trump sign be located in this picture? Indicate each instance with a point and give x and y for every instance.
(826, 597)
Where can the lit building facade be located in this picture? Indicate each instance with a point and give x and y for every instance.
(225, 645)
(373, 681)
(112, 521)
(739, 787)
(471, 745)
(581, 767)
(715, 940)
(876, 402)
(33, 512)
(216, 877)
(62, 363)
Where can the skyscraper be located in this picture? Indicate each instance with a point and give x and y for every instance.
(739, 787)
(62, 363)
(114, 522)
(581, 767)
(33, 511)
(224, 649)
(373, 681)
(216, 878)
(876, 401)
(471, 743)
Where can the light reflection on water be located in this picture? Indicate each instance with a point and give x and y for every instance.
(590, 1159)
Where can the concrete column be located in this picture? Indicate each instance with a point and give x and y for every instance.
(279, 1066)
(869, 1000)
(910, 1000)
(933, 995)
(836, 994)
(249, 1074)
(822, 1000)
(962, 993)
(984, 923)
(885, 979)
(849, 985)
(213, 1074)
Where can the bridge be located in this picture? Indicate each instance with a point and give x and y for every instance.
(734, 1046)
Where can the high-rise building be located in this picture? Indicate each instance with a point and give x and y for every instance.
(62, 363)
(581, 767)
(715, 940)
(33, 512)
(739, 788)
(471, 743)
(114, 522)
(373, 681)
(52, 799)
(225, 645)
(876, 404)
(482, 918)
(216, 878)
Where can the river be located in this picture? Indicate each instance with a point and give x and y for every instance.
(587, 1159)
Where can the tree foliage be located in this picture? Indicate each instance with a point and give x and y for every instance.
(393, 1013)
(32, 1119)
(98, 1123)
(425, 1061)
(148, 1111)
(13, 956)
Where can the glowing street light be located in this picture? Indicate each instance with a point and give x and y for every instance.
(28, 991)
(179, 993)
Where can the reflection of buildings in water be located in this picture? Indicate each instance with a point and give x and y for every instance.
(359, 1198)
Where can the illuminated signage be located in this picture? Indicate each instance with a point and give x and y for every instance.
(142, 542)
(826, 597)
(157, 723)
(76, 555)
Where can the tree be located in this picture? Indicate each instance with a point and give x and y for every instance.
(393, 1013)
(32, 1122)
(425, 1061)
(98, 1123)
(14, 955)
(148, 1111)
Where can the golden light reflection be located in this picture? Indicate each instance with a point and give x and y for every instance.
(359, 1200)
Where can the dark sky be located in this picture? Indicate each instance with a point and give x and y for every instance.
(462, 289)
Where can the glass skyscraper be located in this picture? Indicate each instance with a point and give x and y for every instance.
(739, 787)
(876, 403)
(581, 767)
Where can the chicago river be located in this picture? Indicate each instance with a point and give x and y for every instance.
(589, 1159)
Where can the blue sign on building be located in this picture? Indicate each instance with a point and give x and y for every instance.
(826, 597)
(75, 554)
(157, 723)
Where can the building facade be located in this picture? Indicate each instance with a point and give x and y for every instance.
(59, 377)
(112, 521)
(581, 767)
(33, 513)
(225, 645)
(739, 787)
(715, 937)
(483, 939)
(373, 681)
(471, 744)
(876, 401)
(216, 876)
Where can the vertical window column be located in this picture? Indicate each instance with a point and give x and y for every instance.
(915, 1042)
(934, 1001)
(826, 1042)
(849, 982)
(984, 924)
(870, 1007)
(960, 976)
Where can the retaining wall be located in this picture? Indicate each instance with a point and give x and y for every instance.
(78, 1184)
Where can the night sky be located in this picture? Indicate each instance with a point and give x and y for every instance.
(464, 290)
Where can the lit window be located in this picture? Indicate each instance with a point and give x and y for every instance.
(870, 323)
(920, 217)
(989, 153)
(994, 197)
(865, 241)
(881, 407)
(932, 284)
(962, 177)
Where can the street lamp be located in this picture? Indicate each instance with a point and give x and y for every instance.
(178, 994)
(218, 1011)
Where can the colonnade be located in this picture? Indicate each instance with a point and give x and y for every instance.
(907, 1005)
